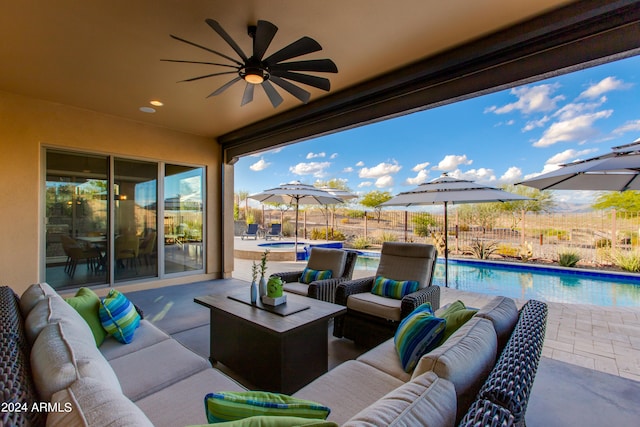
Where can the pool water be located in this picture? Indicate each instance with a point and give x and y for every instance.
(528, 282)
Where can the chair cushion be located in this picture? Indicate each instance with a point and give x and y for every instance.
(375, 305)
(54, 310)
(327, 259)
(309, 275)
(456, 315)
(229, 406)
(424, 401)
(393, 288)
(417, 334)
(88, 402)
(34, 294)
(296, 288)
(407, 261)
(87, 304)
(119, 316)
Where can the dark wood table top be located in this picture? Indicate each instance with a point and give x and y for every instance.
(317, 311)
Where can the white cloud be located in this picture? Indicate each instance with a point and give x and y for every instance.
(531, 99)
(630, 126)
(451, 162)
(333, 156)
(481, 175)
(348, 169)
(578, 129)
(365, 184)
(315, 155)
(420, 166)
(548, 167)
(531, 125)
(511, 176)
(575, 109)
(259, 165)
(384, 181)
(422, 176)
(380, 170)
(568, 155)
(360, 164)
(312, 168)
(605, 85)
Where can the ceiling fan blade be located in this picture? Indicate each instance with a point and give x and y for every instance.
(294, 90)
(299, 47)
(271, 92)
(207, 76)
(224, 87)
(265, 31)
(319, 82)
(222, 33)
(207, 49)
(199, 62)
(248, 94)
(318, 65)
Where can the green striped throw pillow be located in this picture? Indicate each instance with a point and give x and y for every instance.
(418, 333)
(119, 316)
(393, 288)
(309, 275)
(230, 406)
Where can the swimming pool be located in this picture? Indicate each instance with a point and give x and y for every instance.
(548, 284)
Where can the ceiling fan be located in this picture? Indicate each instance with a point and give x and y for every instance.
(257, 70)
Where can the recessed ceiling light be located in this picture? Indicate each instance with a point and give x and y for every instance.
(147, 110)
(156, 103)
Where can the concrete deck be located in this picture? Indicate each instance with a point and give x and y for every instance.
(605, 339)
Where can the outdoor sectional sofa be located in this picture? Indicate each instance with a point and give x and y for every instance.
(49, 354)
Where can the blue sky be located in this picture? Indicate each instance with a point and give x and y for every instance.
(494, 139)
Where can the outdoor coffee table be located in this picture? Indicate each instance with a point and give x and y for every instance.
(278, 352)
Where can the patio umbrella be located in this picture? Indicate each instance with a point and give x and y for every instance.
(342, 195)
(295, 193)
(614, 171)
(448, 190)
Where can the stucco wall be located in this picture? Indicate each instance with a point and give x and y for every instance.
(26, 125)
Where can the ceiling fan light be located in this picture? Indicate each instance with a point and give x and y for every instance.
(254, 76)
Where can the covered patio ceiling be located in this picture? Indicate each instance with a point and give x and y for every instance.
(393, 57)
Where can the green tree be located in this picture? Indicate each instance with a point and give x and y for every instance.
(243, 195)
(482, 214)
(374, 199)
(625, 201)
(422, 223)
(540, 201)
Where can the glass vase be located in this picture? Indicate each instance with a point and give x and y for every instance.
(254, 293)
(262, 290)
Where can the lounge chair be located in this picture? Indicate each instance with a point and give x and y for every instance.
(341, 264)
(275, 231)
(252, 231)
(372, 318)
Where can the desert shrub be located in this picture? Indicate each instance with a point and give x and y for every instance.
(506, 249)
(344, 221)
(321, 234)
(628, 261)
(438, 241)
(360, 242)
(568, 258)
(354, 213)
(603, 243)
(526, 251)
(483, 249)
(422, 223)
(383, 236)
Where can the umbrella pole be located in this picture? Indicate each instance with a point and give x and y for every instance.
(295, 246)
(446, 248)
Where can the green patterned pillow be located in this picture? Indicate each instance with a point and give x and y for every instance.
(87, 303)
(456, 315)
(230, 406)
(393, 288)
(309, 275)
(274, 421)
(418, 333)
(119, 316)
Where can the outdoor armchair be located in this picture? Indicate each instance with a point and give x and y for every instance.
(252, 231)
(341, 264)
(274, 231)
(372, 318)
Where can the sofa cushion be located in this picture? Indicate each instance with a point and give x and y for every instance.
(53, 310)
(407, 261)
(503, 313)
(87, 402)
(182, 402)
(385, 358)
(375, 305)
(87, 303)
(348, 388)
(393, 288)
(296, 288)
(60, 356)
(146, 335)
(235, 405)
(153, 368)
(327, 259)
(119, 316)
(456, 315)
(309, 275)
(426, 400)
(465, 359)
(33, 294)
(417, 334)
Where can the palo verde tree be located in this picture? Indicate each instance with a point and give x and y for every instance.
(625, 201)
(374, 199)
(540, 202)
